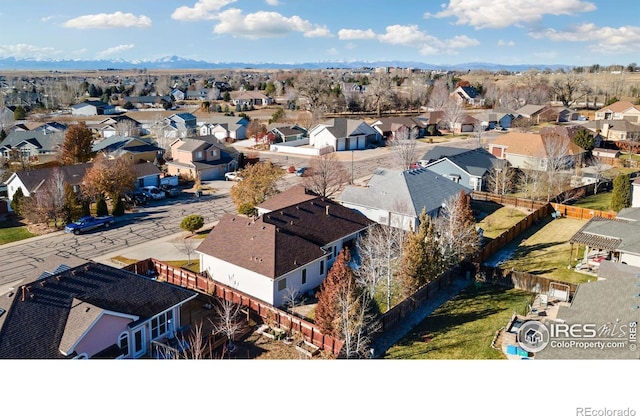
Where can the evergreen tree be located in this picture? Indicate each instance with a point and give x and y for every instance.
(118, 209)
(101, 207)
(621, 197)
(70, 204)
(17, 201)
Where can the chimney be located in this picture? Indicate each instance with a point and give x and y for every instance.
(24, 293)
(326, 210)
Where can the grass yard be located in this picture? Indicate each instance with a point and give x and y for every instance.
(10, 232)
(601, 201)
(463, 327)
(544, 249)
(496, 219)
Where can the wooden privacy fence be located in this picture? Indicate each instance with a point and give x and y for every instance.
(503, 239)
(581, 213)
(508, 200)
(200, 283)
(518, 280)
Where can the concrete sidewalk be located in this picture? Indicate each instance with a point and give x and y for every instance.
(166, 248)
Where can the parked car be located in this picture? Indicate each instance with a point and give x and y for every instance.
(89, 223)
(153, 192)
(170, 191)
(232, 176)
(301, 171)
(136, 198)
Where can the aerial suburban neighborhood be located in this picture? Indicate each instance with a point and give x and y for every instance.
(275, 206)
(263, 219)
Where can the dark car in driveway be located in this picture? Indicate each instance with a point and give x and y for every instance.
(170, 191)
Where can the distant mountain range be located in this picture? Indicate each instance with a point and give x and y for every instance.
(176, 62)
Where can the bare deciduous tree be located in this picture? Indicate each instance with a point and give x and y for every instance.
(380, 92)
(556, 157)
(290, 297)
(452, 112)
(186, 246)
(501, 181)
(404, 148)
(456, 230)
(313, 87)
(127, 128)
(228, 320)
(568, 88)
(326, 175)
(379, 251)
(439, 95)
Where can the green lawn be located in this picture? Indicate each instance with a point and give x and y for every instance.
(544, 249)
(463, 327)
(10, 233)
(601, 201)
(497, 221)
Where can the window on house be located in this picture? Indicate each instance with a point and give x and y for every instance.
(330, 253)
(213, 153)
(282, 284)
(138, 342)
(198, 155)
(321, 270)
(123, 343)
(159, 326)
(335, 251)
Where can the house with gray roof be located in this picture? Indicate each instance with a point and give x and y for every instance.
(612, 306)
(286, 132)
(34, 146)
(92, 108)
(618, 239)
(496, 118)
(90, 311)
(395, 197)
(469, 168)
(135, 149)
(390, 127)
(197, 157)
(223, 127)
(343, 134)
(288, 249)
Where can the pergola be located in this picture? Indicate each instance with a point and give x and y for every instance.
(595, 241)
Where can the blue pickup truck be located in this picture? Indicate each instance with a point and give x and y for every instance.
(89, 223)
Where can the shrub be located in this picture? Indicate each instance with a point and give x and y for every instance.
(101, 207)
(16, 202)
(192, 223)
(118, 209)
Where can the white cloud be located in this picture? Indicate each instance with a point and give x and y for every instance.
(506, 43)
(273, 2)
(353, 34)
(115, 50)
(109, 21)
(412, 36)
(498, 14)
(608, 40)
(264, 24)
(202, 10)
(23, 50)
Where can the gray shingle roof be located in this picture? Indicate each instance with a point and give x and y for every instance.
(48, 142)
(403, 192)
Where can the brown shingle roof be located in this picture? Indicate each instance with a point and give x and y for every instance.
(292, 196)
(529, 144)
(282, 240)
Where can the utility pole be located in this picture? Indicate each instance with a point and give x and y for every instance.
(352, 167)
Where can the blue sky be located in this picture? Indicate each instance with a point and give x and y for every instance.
(569, 32)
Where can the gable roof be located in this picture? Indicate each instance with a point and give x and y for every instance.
(343, 127)
(530, 110)
(47, 142)
(475, 162)
(115, 143)
(404, 192)
(531, 144)
(618, 107)
(35, 327)
(33, 179)
(393, 123)
(438, 152)
(282, 240)
(292, 196)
